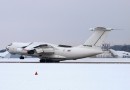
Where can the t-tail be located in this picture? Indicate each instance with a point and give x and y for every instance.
(98, 37)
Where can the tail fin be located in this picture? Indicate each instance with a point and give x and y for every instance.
(97, 38)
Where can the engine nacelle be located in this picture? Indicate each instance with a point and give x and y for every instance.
(31, 52)
(44, 50)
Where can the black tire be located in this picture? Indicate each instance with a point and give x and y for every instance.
(21, 57)
(48, 61)
(42, 61)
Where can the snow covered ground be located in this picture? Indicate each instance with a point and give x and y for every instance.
(52, 76)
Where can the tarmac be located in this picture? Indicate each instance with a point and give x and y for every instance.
(80, 61)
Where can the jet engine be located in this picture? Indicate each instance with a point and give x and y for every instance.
(31, 52)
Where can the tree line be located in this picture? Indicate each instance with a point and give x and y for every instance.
(121, 48)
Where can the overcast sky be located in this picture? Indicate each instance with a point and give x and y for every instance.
(62, 21)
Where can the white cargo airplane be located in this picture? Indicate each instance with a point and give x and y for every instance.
(120, 54)
(56, 53)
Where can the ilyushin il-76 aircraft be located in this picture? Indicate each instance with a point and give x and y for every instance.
(55, 53)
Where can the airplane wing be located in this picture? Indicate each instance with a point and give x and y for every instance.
(40, 49)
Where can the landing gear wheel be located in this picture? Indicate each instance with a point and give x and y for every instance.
(48, 61)
(42, 61)
(21, 57)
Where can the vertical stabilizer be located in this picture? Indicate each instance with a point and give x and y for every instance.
(98, 37)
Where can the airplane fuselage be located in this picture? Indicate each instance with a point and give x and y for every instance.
(57, 52)
(73, 53)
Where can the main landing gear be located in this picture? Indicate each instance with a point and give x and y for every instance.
(48, 61)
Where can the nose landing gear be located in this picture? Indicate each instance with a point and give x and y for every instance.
(21, 57)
